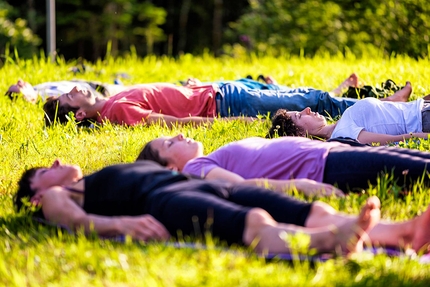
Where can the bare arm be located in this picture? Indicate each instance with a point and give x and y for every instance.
(368, 137)
(59, 208)
(155, 118)
(306, 186)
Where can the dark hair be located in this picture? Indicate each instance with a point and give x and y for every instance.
(24, 188)
(54, 112)
(148, 153)
(283, 125)
(11, 95)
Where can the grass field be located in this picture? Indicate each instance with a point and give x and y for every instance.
(32, 255)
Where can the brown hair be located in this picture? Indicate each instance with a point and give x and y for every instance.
(54, 112)
(148, 153)
(24, 188)
(283, 125)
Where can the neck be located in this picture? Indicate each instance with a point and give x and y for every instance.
(181, 165)
(78, 184)
(94, 110)
(326, 131)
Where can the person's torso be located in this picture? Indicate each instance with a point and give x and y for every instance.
(165, 99)
(281, 158)
(123, 189)
(376, 116)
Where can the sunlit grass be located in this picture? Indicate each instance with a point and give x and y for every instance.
(38, 255)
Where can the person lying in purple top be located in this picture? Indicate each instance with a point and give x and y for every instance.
(310, 166)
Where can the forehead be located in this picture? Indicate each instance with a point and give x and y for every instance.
(63, 99)
(37, 174)
(157, 144)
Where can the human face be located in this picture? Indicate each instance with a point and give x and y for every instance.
(77, 98)
(309, 121)
(26, 89)
(57, 174)
(177, 150)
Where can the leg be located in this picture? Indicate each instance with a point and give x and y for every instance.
(239, 100)
(260, 226)
(354, 167)
(351, 81)
(401, 95)
(412, 233)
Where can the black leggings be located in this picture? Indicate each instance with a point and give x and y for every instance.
(352, 168)
(202, 205)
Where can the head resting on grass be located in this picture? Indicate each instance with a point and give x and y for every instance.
(54, 112)
(81, 102)
(283, 125)
(23, 89)
(35, 181)
(172, 152)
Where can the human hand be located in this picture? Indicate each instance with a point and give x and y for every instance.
(311, 187)
(143, 227)
(193, 82)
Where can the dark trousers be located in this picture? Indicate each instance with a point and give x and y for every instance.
(353, 168)
(197, 206)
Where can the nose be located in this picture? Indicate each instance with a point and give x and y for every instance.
(306, 111)
(180, 137)
(56, 163)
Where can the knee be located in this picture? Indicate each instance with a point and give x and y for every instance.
(320, 208)
(256, 220)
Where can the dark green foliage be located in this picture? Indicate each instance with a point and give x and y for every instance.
(92, 29)
(311, 27)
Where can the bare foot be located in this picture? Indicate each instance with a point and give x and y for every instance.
(351, 236)
(401, 95)
(270, 80)
(351, 81)
(421, 239)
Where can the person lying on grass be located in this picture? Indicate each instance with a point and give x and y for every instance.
(293, 161)
(368, 121)
(150, 202)
(171, 104)
(48, 89)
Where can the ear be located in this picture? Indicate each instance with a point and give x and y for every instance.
(37, 198)
(172, 166)
(80, 115)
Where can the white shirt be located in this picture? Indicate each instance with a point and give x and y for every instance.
(382, 117)
(50, 89)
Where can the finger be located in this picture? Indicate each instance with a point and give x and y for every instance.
(339, 192)
(157, 228)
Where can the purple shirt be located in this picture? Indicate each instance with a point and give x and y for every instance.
(281, 158)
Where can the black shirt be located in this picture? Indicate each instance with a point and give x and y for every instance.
(122, 189)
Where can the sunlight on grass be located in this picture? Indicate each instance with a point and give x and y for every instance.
(33, 255)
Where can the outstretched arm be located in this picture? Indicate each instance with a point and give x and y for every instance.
(155, 118)
(368, 137)
(59, 208)
(306, 186)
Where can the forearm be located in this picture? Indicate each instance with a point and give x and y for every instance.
(102, 225)
(195, 121)
(306, 186)
(276, 185)
(386, 139)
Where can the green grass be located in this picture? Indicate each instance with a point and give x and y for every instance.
(34, 255)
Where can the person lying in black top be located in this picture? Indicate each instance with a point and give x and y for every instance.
(148, 202)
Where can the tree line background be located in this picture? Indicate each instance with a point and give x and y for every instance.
(88, 29)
